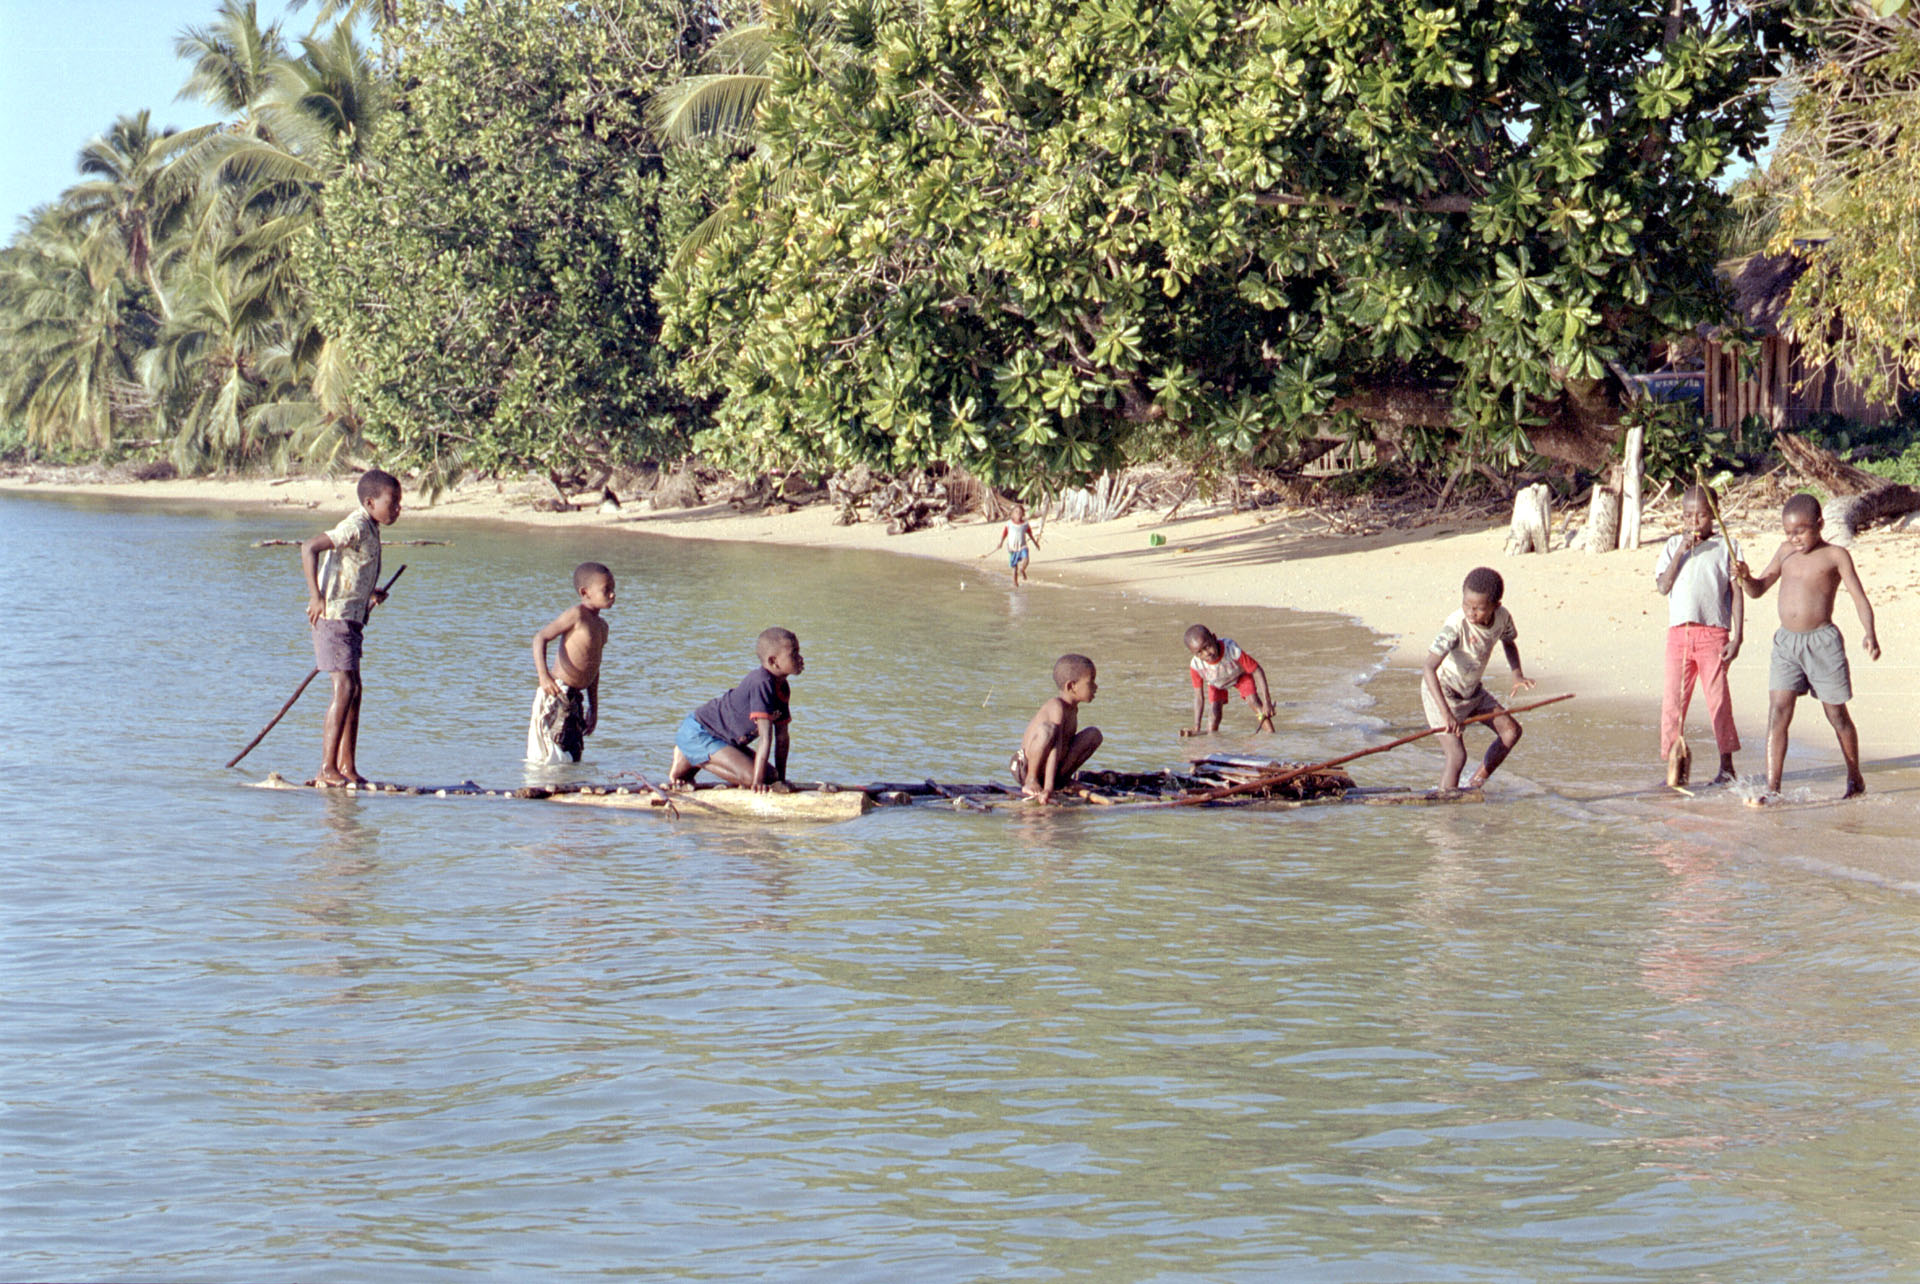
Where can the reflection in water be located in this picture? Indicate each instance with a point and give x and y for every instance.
(298, 1034)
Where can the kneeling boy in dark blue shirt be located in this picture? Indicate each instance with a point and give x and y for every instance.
(752, 716)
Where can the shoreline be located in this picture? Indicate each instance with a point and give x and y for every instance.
(1588, 624)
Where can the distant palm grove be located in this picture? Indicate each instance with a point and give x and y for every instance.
(1030, 238)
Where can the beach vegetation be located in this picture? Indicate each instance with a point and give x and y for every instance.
(1037, 238)
(489, 267)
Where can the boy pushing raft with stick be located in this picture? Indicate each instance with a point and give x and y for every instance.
(341, 592)
(1451, 691)
(1808, 652)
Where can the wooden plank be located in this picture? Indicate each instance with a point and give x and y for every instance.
(736, 804)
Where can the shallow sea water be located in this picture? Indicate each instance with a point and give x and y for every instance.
(1577, 1033)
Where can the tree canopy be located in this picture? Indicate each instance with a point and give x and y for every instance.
(1847, 180)
(490, 267)
(1039, 236)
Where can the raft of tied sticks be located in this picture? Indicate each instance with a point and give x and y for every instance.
(1210, 781)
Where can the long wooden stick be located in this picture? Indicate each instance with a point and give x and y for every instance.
(1294, 773)
(1713, 511)
(298, 691)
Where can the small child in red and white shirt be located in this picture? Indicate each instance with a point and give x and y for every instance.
(1219, 665)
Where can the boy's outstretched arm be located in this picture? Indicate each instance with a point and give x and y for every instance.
(1851, 578)
(1263, 698)
(310, 567)
(1757, 585)
(1737, 631)
(1199, 711)
(763, 754)
(558, 628)
(1521, 682)
(1431, 679)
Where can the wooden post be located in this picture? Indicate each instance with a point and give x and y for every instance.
(1630, 495)
(1603, 513)
(1532, 520)
(1713, 384)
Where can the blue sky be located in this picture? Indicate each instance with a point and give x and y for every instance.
(69, 67)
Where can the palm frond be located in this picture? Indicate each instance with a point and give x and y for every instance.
(719, 105)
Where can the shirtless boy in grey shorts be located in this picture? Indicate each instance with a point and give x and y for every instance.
(1808, 652)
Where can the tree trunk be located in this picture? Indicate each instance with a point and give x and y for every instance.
(1532, 520)
(1603, 516)
(1845, 517)
(1630, 495)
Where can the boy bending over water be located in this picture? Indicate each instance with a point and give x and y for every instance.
(1808, 651)
(341, 593)
(1451, 691)
(566, 708)
(1217, 665)
(1055, 745)
(754, 714)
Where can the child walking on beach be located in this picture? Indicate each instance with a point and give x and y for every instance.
(1705, 621)
(341, 592)
(1451, 689)
(1808, 652)
(566, 708)
(1055, 745)
(1015, 535)
(1218, 665)
(755, 714)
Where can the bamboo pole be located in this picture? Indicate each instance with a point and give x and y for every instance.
(298, 691)
(1281, 778)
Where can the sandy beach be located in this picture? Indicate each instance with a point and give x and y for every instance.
(1588, 624)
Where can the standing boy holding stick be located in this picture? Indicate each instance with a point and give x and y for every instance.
(340, 594)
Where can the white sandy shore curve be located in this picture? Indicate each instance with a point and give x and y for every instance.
(1590, 624)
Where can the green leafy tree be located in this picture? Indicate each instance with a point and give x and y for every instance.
(1847, 179)
(490, 267)
(1036, 237)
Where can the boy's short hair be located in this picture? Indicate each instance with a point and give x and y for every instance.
(1804, 504)
(1486, 581)
(1197, 635)
(772, 640)
(1071, 668)
(374, 482)
(587, 572)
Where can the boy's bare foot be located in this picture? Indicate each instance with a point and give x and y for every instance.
(330, 779)
(779, 787)
(1726, 777)
(1856, 785)
(1479, 778)
(679, 786)
(1767, 799)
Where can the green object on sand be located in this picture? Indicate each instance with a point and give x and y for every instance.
(1156, 539)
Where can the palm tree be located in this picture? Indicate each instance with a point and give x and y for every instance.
(242, 370)
(69, 332)
(135, 189)
(232, 57)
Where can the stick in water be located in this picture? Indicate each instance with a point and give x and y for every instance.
(1294, 773)
(298, 691)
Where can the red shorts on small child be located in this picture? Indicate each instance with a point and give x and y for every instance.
(1243, 684)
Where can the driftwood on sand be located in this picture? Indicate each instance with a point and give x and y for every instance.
(1860, 499)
